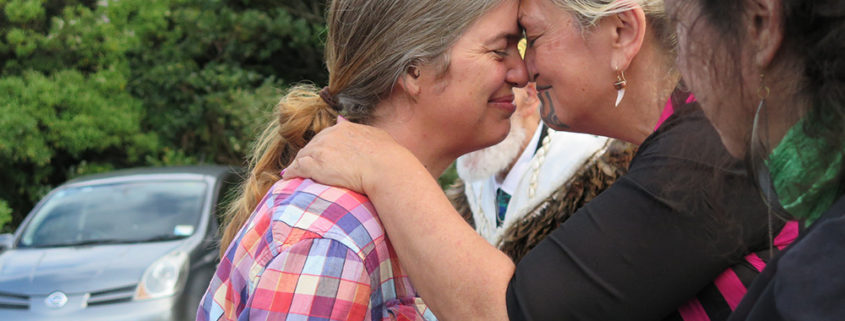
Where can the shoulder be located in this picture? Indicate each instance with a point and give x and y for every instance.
(684, 170)
(686, 148)
(808, 282)
(687, 134)
(299, 191)
(302, 208)
(817, 258)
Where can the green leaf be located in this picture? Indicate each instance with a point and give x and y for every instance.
(24, 11)
(5, 216)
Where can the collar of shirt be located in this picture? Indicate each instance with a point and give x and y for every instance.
(511, 181)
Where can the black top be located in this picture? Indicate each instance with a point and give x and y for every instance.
(807, 282)
(685, 212)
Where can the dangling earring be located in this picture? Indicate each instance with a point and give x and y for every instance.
(757, 145)
(755, 158)
(757, 149)
(620, 85)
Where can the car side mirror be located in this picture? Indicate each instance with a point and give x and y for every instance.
(6, 241)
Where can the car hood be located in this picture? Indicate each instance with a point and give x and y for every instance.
(77, 269)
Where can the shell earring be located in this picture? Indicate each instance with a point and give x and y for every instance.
(620, 85)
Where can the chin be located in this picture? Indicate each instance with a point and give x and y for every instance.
(499, 129)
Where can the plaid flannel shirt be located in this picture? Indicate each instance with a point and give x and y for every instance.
(311, 252)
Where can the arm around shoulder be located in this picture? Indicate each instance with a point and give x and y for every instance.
(459, 275)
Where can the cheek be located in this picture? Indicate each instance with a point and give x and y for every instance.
(478, 78)
(552, 113)
(543, 60)
(495, 73)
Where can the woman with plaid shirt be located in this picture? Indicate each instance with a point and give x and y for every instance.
(437, 77)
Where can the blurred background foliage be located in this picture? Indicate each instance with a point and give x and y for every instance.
(90, 86)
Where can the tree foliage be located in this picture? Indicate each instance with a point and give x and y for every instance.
(90, 86)
(5, 216)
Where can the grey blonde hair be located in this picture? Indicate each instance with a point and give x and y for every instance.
(589, 12)
(370, 44)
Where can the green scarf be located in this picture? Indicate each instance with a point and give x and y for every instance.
(805, 173)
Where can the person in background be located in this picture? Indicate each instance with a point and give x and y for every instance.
(679, 237)
(516, 192)
(295, 249)
(770, 75)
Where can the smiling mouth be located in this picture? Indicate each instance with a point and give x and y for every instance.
(506, 103)
(505, 99)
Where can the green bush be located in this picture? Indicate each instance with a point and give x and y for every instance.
(448, 177)
(88, 86)
(5, 217)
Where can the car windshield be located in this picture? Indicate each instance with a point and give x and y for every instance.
(117, 213)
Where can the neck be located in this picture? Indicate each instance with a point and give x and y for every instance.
(651, 82)
(390, 117)
(435, 162)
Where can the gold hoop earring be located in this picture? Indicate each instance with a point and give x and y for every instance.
(620, 84)
(764, 91)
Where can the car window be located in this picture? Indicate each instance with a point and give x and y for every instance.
(228, 193)
(117, 213)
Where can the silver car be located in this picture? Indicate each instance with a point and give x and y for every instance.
(130, 245)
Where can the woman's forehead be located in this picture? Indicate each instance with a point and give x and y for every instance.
(532, 13)
(498, 25)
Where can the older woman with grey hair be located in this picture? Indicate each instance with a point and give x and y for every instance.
(678, 237)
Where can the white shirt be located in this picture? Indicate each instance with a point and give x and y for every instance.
(509, 184)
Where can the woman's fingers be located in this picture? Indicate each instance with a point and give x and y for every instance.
(311, 162)
(342, 155)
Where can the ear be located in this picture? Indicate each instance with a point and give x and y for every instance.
(409, 81)
(628, 34)
(765, 29)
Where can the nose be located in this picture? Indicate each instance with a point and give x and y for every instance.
(517, 75)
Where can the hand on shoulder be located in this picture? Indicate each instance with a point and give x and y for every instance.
(350, 155)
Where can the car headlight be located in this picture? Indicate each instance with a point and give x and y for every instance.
(164, 277)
